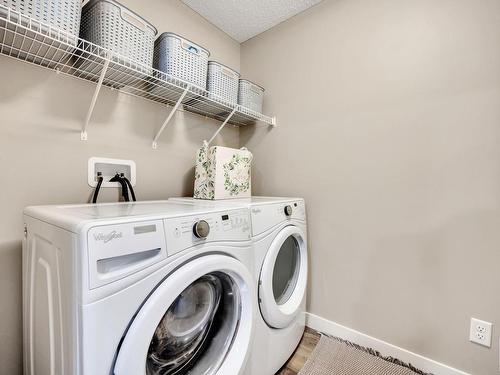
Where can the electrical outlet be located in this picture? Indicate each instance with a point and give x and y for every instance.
(480, 332)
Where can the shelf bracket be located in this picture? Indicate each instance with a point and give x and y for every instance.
(222, 125)
(94, 98)
(169, 117)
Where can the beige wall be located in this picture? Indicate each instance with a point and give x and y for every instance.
(43, 161)
(389, 126)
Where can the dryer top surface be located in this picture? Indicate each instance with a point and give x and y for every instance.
(251, 201)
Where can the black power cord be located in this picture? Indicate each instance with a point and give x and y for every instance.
(98, 187)
(121, 181)
(129, 184)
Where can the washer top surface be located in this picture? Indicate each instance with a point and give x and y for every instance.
(73, 217)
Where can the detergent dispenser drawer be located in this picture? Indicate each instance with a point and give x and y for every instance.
(116, 251)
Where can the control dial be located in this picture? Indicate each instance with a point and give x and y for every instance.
(288, 210)
(201, 229)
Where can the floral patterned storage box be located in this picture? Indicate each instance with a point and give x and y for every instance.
(222, 172)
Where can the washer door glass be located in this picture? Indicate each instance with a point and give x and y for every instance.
(286, 270)
(197, 330)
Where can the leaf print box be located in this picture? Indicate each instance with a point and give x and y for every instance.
(222, 173)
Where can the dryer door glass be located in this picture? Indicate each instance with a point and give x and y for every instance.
(197, 330)
(283, 277)
(286, 270)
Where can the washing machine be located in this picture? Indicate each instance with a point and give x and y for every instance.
(279, 236)
(137, 288)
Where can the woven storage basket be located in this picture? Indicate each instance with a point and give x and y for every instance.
(182, 59)
(57, 19)
(114, 27)
(223, 82)
(250, 96)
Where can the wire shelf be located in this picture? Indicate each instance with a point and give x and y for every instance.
(26, 39)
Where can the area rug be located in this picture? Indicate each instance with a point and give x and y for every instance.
(334, 356)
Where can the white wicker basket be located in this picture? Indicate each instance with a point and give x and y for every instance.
(114, 27)
(61, 14)
(250, 96)
(182, 59)
(58, 19)
(223, 82)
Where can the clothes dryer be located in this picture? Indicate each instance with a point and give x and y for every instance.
(279, 242)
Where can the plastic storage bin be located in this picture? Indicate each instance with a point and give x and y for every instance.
(223, 82)
(181, 59)
(57, 19)
(116, 28)
(250, 96)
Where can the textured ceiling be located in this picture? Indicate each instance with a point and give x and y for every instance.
(243, 19)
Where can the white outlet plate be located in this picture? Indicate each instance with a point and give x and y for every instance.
(480, 332)
(108, 168)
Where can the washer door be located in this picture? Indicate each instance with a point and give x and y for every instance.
(199, 320)
(283, 278)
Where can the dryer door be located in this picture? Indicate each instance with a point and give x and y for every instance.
(199, 320)
(283, 278)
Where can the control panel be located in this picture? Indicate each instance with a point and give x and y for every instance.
(266, 216)
(184, 232)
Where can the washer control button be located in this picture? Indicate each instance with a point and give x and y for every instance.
(201, 229)
(288, 210)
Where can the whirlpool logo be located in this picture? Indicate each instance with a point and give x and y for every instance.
(108, 237)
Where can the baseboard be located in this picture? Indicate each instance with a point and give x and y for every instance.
(425, 364)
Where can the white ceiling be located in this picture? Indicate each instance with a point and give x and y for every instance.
(243, 19)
